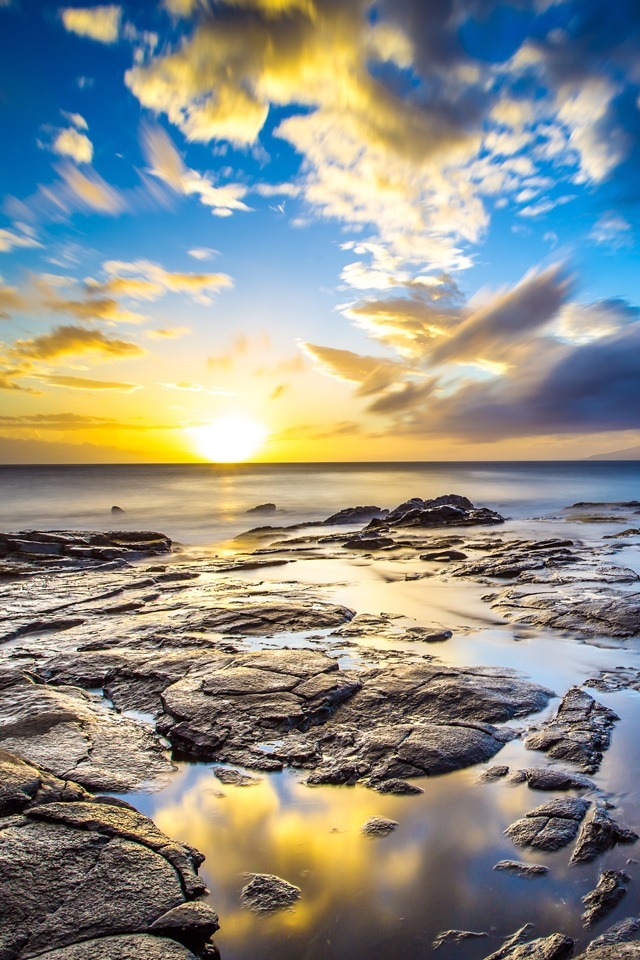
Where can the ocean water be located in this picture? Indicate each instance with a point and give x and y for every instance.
(200, 504)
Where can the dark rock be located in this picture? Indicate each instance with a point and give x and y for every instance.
(266, 892)
(598, 835)
(132, 946)
(601, 611)
(544, 778)
(619, 933)
(262, 508)
(444, 556)
(617, 951)
(116, 509)
(611, 888)
(368, 543)
(270, 618)
(356, 515)
(398, 787)
(493, 773)
(517, 947)
(448, 510)
(579, 732)
(23, 785)
(378, 827)
(193, 924)
(456, 936)
(550, 826)
(230, 776)
(519, 869)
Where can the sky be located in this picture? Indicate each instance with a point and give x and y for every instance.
(319, 230)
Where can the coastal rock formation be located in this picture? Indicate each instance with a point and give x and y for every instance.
(579, 732)
(550, 826)
(619, 933)
(599, 611)
(546, 778)
(56, 841)
(69, 548)
(599, 834)
(519, 947)
(611, 888)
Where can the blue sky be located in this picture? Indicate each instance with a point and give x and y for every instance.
(391, 230)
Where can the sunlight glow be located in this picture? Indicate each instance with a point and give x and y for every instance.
(231, 439)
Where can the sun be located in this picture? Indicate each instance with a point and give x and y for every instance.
(231, 439)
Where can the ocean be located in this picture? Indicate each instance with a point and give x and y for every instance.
(204, 504)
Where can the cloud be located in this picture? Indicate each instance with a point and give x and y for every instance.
(88, 191)
(84, 383)
(203, 253)
(97, 23)
(168, 333)
(72, 143)
(184, 385)
(23, 237)
(142, 279)
(73, 341)
(612, 230)
(168, 166)
(10, 300)
(371, 374)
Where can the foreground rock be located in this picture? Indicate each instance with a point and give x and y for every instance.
(550, 826)
(544, 778)
(598, 835)
(378, 827)
(619, 933)
(68, 548)
(599, 611)
(74, 871)
(611, 888)
(579, 732)
(266, 892)
(66, 732)
(519, 947)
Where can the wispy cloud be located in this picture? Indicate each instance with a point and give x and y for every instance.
(100, 23)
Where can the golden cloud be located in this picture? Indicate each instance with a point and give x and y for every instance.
(84, 383)
(73, 341)
(97, 23)
(72, 143)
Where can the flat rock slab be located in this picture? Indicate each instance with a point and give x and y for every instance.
(266, 892)
(271, 618)
(550, 826)
(579, 732)
(611, 888)
(79, 870)
(136, 946)
(65, 731)
(598, 835)
(594, 611)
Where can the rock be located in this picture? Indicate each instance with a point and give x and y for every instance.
(23, 785)
(579, 732)
(59, 549)
(398, 787)
(555, 947)
(266, 892)
(448, 510)
(493, 773)
(82, 879)
(544, 778)
(621, 932)
(237, 778)
(618, 951)
(116, 509)
(262, 508)
(378, 827)
(368, 543)
(66, 732)
(550, 826)
(135, 946)
(444, 556)
(456, 936)
(598, 835)
(355, 515)
(271, 618)
(611, 888)
(595, 611)
(520, 869)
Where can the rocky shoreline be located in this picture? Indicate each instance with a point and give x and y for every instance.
(121, 656)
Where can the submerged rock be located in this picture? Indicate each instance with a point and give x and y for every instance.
(456, 936)
(550, 826)
(378, 827)
(520, 869)
(262, 508)
(611, 888)
(266, 892)
(237, 778)
(599, 834)
(398, 787)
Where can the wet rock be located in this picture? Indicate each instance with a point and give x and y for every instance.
(611, 888)
(23, 785)
(135, 946)
(80, 877)
(621, 932)
(519, 869)
(398, 787)
(629, 532)
(63, 730)
(456, 936)
(368, 543)
(448, 510)
(270, 618)
(600, 612)
(599, 834)
(618, 951)
(579, 733)
(444, 556)
(266, 892)
(518, 947)
(550, 826)
(236, 778)
(545, 778)
(493, 773)
(262, 508)
(356, 515)
(378, 827)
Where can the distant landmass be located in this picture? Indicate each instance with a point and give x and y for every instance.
(629, 453)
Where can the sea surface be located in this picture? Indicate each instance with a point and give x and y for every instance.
(384, 898)
(198, 504)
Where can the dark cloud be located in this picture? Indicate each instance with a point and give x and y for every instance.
(74, 341)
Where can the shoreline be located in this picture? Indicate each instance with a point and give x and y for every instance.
(262, 675)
